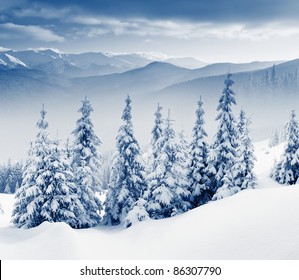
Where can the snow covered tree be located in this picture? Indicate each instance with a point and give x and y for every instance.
(61, 201)
(47, 192)
(127, 178)
(286, 170)
(246, 157)
(181, 169)
(157, 132)
(86, 164)
(274, 140)
(137, 214)
(199, 182)
(223, 155)
(29, 197)
(167, 182)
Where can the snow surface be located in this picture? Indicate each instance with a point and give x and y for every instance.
(253, 224)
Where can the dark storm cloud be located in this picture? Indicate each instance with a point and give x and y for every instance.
(196, 10)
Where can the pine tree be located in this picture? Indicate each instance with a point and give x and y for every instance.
(243, 175)
(156, 145)
(128, 172)
(29, 197)
(286, 170)
(181, 169)
(274, 140)
(60, 193)
(199, 182)
(157, 132)
(137, 214)
(1, 210)
(223, 156)
(86, 164)
(167, 183)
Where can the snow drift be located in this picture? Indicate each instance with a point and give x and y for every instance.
(253, 224)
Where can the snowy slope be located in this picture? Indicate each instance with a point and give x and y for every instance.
(253, 224)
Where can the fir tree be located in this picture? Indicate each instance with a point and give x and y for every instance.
(181, 169)
(223, 156)
(274, 140)
(199, 182)
(157, 132)
(242, 174)
(61, 201)
(167, 183)
(86, 163)
(137, 214)
(30, 196)
(156, 145)
(128, 175)
(286, 170)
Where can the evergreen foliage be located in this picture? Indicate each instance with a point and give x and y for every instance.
(223, 156)
(127, 183)
(86, 164)
(10, 177)
(286, 170)
(199, 181)
(168, 181)
(47, 192)
(137, 214)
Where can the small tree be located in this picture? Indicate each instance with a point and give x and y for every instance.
(167, 183)
(274, 140)
(60, 193)
(86, 163)
(199, 182)
(128, 172)
(137, 214)
(286, 170)
(245, 151)
(29, 197)
(223, 156)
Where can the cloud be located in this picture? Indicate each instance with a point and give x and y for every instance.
(38, 11)
(99, 26)
(200, 11)
(14, 31)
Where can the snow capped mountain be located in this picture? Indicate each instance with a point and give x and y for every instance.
(186, 62)
(11, 62)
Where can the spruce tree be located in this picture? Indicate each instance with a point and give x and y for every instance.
(157, 132)
(224, 154)
(137, 214)
(168, 183)
(199, 182)
(29, 197)
(245, 152)
(128, 172)
(286, 170)
(86, 164)
(274, 140)
(61, 201)
(155, 149)
(181, 169)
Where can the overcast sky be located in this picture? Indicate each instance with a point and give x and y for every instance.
(210, 30)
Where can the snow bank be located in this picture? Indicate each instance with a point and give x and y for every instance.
(253, 224)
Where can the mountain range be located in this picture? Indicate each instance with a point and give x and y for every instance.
(266, 90)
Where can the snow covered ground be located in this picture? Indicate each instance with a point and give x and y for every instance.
(254, 224)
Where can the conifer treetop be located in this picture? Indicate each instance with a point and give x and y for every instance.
(86, 108)
(42, 123)
(127, 113)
